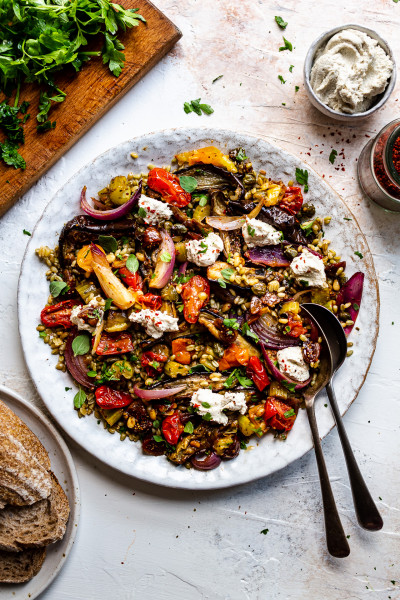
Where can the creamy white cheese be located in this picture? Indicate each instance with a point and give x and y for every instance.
(258, 233)
(291, 362)
(156, 211)
(350, 71)
(208, 402)
(204, 252)
(79, 311)
(309, 269)
(154, 321)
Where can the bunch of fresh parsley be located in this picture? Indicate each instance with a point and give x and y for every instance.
(38, 38)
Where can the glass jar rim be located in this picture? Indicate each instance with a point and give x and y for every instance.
(394, 175)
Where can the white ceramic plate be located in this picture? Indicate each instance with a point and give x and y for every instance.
(268, 455)
(63, 467)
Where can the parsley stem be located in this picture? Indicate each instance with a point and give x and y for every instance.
(17, 94)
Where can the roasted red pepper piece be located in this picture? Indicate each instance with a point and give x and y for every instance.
(292, 201)
(58, 314)
(172, 428)
(168, 186)
(294, 327)
(275, 412)
(256, 371)
(132, 280)
(119, 343)
(151, 301)
(195, 295)
(153, 362)
(106, 397)
(234, 356)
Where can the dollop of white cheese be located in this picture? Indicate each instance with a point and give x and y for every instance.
(291, 362)
(258, 233)
(309, 269)
(204, 252)
(350, 71)
(154, 321)
(208, 402)
(156, 211)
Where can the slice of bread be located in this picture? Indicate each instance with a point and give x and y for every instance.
(18, 567)
(10, 423)
(37, 525)
(21, 473)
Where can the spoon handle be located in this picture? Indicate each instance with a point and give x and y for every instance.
(335, 537)
(367, 514)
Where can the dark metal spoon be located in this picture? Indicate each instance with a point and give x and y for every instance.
(336, 540)
(332, 332)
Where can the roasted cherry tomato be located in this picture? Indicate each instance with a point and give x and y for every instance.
(292, 201)
(106, 397)
(168, 186)
(172, 428)
(179, 346)
(132, 280)
(153, 362)
(58, 314)
(256, 371)
(151, 301)
(294, 327)
(110, 343)
(279, 415)
(234, 356)
(195, 295)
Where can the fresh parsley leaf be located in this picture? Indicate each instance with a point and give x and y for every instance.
(46, 126)
(199, 369)
(357, 253)
(132, 263)
(10, 155)
(45, 104)
(81, 345)
(188, 427)
(247, 331)
(288, 46)
(42, 334)
(107, 304)
(243, 445)
(243, 380)
(204, 247)
(296, 88)
(250, 230)
(166, 257)
(356, 306)
(281, 79)
(187, 183)
(57, 288)
(206, 404)
(291, 68)
(289, 385)
(108, 243)
(302, 178)
(241, 155)
(332, 156)
(26, 232)
(207, 416)
(232, 323)
(227, 273)
(112, 54)
(217, 78)
(158, 438)
(142, 212)
(289, 413)
(282, 24)
(307, 227)
(264, 531)
(221, 282)
(197, 107)
(67, 389)
(79, 398)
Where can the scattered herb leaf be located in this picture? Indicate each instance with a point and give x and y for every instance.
(108, 243)
(132, 264)
(332, 156)
(282, 24)
(81, 345)
(79, 398)
(57, 288)
(189, 184)
(288, 45)
(302, 178)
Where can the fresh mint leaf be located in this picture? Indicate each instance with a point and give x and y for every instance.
(80, 345)
(188, 427)
(57, 288)
(221, 282)
(241, 155)
(197, 107)
(79, 398)
(227, 273)
(247, 331)
(108, 243)
(232, 323)
(291, 68)
(132, 263)
(107, 304)
(142, 212)
(282, 24)
(166, 257)
(187, 183)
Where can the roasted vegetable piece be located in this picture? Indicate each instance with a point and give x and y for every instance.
(116, 321)
(179, 349)
(245, 425)
(132, 280)
(84, 259)
(153, 363)
(294, 327)
(112, 416)
(122, 368)
(234, 356)
(168, 186)
(153, 448)
(208, 155)
(151, 238)
(173, 369)
(106, 397)
(58, 314)
(257, 372)
(256, 414)
(195, 295)
(85, 289)
(311, 352)
(292, 200)
(151, 301)
(138, 420)
(111, 285)
(172, 428)
(185, 447)
(279, 415)
(114, 344)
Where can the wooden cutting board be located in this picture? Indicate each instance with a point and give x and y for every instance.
(90, 94)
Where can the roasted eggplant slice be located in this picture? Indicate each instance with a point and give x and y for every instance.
(210, 177)
(210, 320)
(191, 224)
(218, 204)
(232, 242)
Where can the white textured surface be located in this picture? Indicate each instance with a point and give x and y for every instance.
(269, 454)
(219, 553)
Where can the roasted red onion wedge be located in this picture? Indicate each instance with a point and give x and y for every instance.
(76, 365)
(266, 329)
(205, 462)
(165, 262)
(115, 213)
(352, 292)
(270, 256)
(157, 394)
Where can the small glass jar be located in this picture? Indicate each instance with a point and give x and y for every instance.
(379, 168)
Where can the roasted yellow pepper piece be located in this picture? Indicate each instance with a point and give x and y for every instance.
(210, 155)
